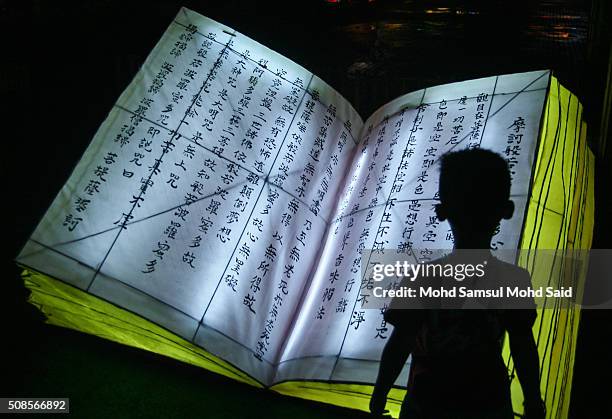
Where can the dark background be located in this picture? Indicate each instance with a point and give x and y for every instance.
(64, 64)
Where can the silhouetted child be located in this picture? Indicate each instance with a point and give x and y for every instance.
(457, 370)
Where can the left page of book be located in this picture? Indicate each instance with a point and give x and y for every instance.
(197, 203)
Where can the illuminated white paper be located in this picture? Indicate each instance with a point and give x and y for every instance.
(217, 196)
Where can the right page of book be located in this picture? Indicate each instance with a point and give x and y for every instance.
(388, 203)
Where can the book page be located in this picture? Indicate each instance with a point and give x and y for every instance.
(389, 204)
(204, 196)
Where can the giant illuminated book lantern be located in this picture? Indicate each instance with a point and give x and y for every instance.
(220, 214)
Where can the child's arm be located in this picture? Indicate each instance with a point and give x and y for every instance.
(525, 354)
(394, 356)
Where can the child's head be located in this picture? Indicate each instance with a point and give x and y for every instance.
(474, 190)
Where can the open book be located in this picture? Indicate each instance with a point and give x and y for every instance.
(222, 213)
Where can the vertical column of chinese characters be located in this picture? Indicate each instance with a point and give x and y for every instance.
(309, 168)
(234, 133)
(425, 187)
(513, 143)
(265, 114)
(289, 224)
(457, 128)
(406, 243)
(383, 230)
(482, 108)
(379, 245)
(183, 165)
(235, 143)
(144, 143)
(263, 267)
(225, 168)
(287, 164)
(291, 101)
(84, 197)
(339, 304)
(319, 144)
(512, 152)
(290, 266)
(261, 121)
(364, 236)
(340, 147)
(209, 167)
(346, 245)
(381, 240)
(222, 104)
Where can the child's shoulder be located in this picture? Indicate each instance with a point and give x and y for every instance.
(509, 271)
